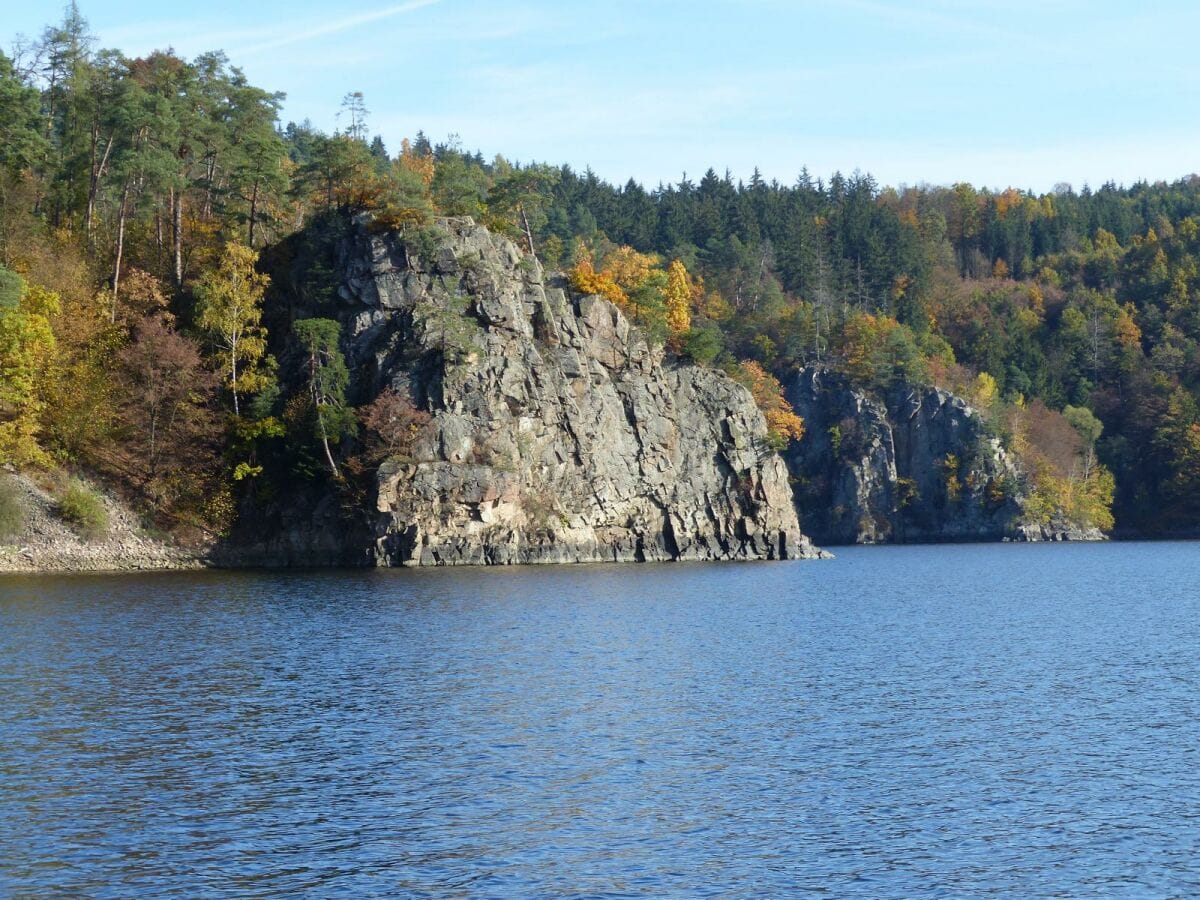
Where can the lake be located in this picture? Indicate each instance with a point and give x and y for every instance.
(898, 722)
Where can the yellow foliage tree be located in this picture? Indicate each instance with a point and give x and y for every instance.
(623, 272)
(27, 349)
(231, 312)
(1128, 333)
(585, 279)
(1009, 199)
(628, 268)
(715, 307)
(863, 337)
(637, 284)
(678, 298)
(1037, 300)
(79, 387)
(983, 391)
(421, 166)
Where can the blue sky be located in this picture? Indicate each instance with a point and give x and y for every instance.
(1025, 93)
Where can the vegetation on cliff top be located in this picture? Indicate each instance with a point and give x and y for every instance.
(135, 195)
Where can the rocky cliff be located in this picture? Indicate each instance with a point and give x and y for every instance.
(557, 434)
(916, 464)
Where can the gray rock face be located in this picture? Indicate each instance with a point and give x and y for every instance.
(558, 433)
(915, 465)
(1058, 529)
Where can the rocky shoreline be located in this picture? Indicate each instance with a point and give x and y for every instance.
(47, 543)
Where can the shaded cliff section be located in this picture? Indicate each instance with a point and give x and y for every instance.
(558, 434)
(916, 464)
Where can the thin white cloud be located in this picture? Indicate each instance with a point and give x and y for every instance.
(339, 25)
(190, 36)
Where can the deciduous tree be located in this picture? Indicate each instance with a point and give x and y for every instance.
(231, 314)
(783, 425)
(678, 296)
(26, 347)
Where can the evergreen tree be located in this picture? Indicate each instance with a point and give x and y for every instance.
(326, 378)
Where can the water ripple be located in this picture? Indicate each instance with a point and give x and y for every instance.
(900, 722)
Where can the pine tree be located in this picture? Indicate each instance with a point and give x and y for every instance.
(327, 377)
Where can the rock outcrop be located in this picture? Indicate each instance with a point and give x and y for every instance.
(558, 434)
(916, 464)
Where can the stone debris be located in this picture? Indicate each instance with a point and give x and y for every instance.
(47, 543)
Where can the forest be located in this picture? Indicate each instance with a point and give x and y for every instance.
(141, 198)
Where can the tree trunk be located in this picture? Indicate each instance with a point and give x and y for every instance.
(316, 398)
(177, 235)
(116, 279)
(253, 213)
(325, 443)
(528, 232)
(313, 363)
(233, 378)
(153, 454)
(208, 186)
(4, 219)
(95, 171)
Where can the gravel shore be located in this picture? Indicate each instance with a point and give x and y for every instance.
(47, 543)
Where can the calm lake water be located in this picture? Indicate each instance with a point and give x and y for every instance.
(1015, 720)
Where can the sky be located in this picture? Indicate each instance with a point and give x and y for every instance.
(1021, 93)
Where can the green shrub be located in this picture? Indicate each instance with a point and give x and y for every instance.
(12, 514)
(83, 508)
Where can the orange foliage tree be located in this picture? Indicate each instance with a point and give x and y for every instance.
(585, 279)
(622, 272)
(421, 165)
(783, 424)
